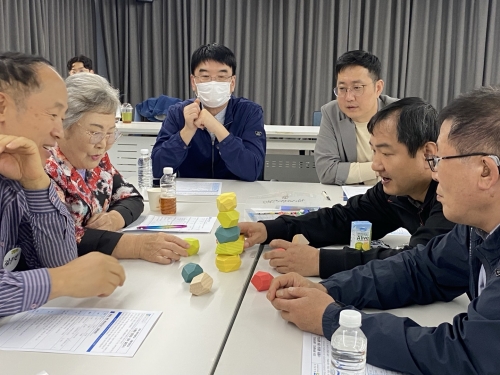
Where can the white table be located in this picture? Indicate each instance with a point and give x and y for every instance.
(259, 332)
(189, 334)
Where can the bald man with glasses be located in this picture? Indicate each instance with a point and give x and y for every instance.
(342, 153)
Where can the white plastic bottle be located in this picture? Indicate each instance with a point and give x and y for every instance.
(144, 171)
(168, 200)
(348, 345)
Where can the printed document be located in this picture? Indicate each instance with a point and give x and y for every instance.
(198, 188)
(104, 332)
(193, 224)
(316, 357)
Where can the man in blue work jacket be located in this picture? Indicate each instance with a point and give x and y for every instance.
(216, 135)
(465, 162)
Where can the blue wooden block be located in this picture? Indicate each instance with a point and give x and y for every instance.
(227, 234)
(190, 271)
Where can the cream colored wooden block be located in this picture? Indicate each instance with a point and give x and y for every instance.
(226, 202)
(228, 219)
(194, 246)
(231, 248)
(228, 263)
(201, 284)
(299, 239)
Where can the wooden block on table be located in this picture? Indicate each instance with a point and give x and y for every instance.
(190, 271)
(299, 239)
(194, 246)
(228, 263)
(226, 202)
(228, 219)
(201, 284)
(262, 280)
(231, 248)
(227, 234)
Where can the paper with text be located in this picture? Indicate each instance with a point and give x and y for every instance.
(316, 357)
(105, 332)
(193, 224)
(198, 188)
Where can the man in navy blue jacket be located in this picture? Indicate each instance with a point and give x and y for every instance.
(216, 135)
(466, 260)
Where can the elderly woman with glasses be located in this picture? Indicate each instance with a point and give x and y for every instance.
(100, 200)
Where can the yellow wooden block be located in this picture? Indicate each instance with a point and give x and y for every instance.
(231, 248)
(226, 202)
(228, 219)
(201, 284)
(228, 263)
(194, 246)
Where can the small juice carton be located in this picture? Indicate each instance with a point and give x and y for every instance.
(361, 235)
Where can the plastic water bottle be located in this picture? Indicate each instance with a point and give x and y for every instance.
(348, 345)
(168, 200)
(144, 171)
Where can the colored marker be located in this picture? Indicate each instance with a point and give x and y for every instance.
(162, 226)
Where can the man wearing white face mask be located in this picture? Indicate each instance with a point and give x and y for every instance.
(216, 135)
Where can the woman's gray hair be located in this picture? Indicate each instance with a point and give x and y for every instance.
(89, 92)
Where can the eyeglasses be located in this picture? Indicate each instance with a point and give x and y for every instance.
(434, 160)
(357, 90)
(220, 78)
(97, 137)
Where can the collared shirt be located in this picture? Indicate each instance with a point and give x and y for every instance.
(37, 222)
(221, 116)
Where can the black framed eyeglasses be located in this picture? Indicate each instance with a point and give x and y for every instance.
(434, 160)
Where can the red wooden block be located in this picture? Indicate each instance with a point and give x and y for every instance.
(262, 280)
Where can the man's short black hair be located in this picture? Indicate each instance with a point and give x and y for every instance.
(87, 62)
(18, 75)
(215, 52)
(416, 122)
(475, 121)
(360, 58)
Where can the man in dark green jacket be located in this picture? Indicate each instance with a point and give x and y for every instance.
(401, 135)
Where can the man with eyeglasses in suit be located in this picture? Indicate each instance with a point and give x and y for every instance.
(342, 153)
(215, 135)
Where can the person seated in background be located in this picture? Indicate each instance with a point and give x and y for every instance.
(79, 64)
(466, 260)
(216, 135)
(37, 236)
(342, 153)
(401, 135)
(100, 200)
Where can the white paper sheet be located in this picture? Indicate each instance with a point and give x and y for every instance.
(316, 357)
(194, 224)
(78, 331)
(198, 188)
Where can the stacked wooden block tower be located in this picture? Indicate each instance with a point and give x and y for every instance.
(230, 242)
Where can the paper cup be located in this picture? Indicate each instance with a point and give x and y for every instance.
(154, 198)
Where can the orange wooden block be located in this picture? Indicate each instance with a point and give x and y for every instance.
(262, 280)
